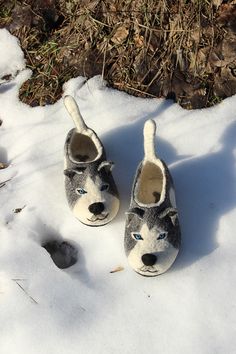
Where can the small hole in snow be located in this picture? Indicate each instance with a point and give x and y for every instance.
(63, 254)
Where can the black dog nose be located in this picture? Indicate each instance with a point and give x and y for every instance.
(149, 259)
(96, 208)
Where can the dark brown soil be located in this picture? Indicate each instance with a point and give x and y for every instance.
(180, 49)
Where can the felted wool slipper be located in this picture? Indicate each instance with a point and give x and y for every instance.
(90, 188)
(152, 233)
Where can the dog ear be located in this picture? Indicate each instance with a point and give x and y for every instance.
(69, 172)
(171, 213)
(80, 170)
(134, 211)
(137, 211)
(107, 165)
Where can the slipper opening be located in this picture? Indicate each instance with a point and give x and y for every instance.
(83, 148)
(151, 182)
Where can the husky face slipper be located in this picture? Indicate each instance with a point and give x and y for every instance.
(90, 188)
(152, 234)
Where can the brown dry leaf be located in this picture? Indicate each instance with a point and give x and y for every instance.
(194, 36)
(229, 48)
(227, 16)
(120, 35)
(90, 5)
(113, 7)
(217, 3)
(118, 269)
(198, 62)
(216, 59)
(138, 40)
(3, 165)
(225, 83)
(21, 16)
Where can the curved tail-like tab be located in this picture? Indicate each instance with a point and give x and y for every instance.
(74, 112)
(149, 133)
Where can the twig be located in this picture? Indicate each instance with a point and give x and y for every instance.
(163, 30)
(2, 184)
(104, 61)
(140, 91)
(31, 298)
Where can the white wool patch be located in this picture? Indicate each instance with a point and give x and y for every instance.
(149, 132)
(165, 252)
(74, 112)
(95, 195)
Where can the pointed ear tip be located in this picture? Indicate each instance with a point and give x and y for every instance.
(170, 212)
(69, 171)
(103, 164)
(173, 211)
(137, 211)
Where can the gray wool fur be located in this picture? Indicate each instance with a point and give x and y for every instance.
(152, 232)
(90, 188)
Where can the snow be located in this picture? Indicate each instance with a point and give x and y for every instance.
(12, 57)
(85, 308)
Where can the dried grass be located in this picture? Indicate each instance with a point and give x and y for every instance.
(148, 48)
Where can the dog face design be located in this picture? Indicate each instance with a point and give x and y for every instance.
(152, 243)
(92, 193)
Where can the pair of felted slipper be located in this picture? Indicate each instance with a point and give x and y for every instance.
(152, 232)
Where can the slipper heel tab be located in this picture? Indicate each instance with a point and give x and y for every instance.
(149, 133)
(73, 110)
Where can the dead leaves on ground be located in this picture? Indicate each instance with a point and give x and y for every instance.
(138, 46)
(120, 35)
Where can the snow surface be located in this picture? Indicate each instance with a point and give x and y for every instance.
(85, 308)
(11, 56)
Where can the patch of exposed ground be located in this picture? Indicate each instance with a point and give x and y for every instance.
(182, 49)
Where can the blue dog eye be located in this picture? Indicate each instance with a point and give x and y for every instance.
(81, 191)
(104, 187)
(137, 237)
(162, 235)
